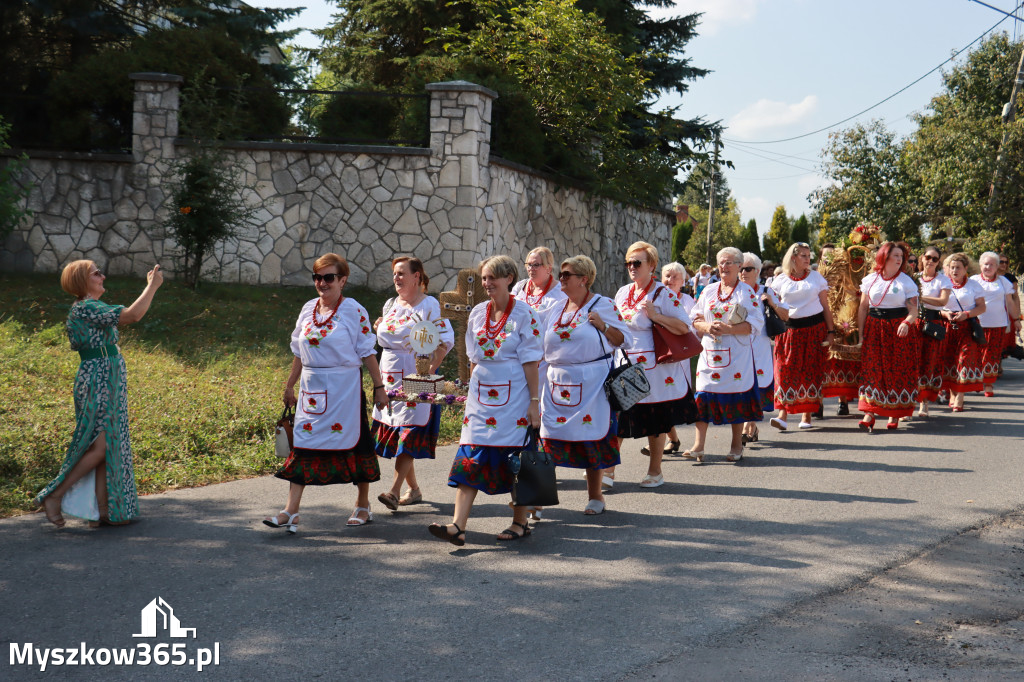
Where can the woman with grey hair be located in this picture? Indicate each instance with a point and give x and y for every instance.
(504, 347)
(999, 317)
(673, 275)
(540, 289)
(763, 365)
(729, 317)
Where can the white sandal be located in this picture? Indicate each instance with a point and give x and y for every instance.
(354, 520)
(290, 525)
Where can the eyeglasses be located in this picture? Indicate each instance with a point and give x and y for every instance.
(747, 268)
(534, 265)
(562, 276)
(726, 263)
(634, 263)
(98, 273)
(1004, 262)
(930, 258)
(329, 277)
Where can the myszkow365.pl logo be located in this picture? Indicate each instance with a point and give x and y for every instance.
(157, 618)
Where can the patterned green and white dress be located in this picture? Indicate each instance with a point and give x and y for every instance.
(101, 406)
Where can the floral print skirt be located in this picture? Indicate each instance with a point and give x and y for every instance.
(889, 369)
(419, 442)
(730, 408)
(962, 362)
(484, 467)
(800, 368)
(328, 467)
(585, 454)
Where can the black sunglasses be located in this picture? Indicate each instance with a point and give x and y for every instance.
(634, 263)
(567, 275)
(329, 277)
(931, 258)
(912, 260)
(747, 268)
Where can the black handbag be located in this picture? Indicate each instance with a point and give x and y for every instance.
(931, 328)
(535, 482)
(773, 324)
(977, 331)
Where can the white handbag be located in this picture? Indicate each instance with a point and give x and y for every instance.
(283, 437)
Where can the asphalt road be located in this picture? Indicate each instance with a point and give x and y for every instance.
(680, 582)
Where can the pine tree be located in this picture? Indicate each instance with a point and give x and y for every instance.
(749, 240)
(776, 241)
(801, 230)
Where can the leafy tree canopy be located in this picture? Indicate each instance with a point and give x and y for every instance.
(727, 232)
(776, 240)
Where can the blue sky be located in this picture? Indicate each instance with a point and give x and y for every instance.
(782, 68)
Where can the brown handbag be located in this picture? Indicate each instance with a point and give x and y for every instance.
(671, 347)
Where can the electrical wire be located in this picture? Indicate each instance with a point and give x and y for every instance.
(876, 104)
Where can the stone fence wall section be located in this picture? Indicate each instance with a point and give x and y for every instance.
(450, 204)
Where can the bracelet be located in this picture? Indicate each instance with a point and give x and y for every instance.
(830, 331)
(534, 400)
(376, 387)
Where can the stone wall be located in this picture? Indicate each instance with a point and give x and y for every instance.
(450, 204)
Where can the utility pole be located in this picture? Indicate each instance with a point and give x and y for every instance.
(1009, 115)
(711, 203)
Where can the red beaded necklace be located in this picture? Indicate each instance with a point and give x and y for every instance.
(989, 280)
(959, 286)
(634, 303)
(721, 286)
(800, 278)
(491, 332)
(330, 317)
(534, 302)
(562, 325)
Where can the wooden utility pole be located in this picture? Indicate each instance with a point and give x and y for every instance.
(711, 202)
(1009, 115)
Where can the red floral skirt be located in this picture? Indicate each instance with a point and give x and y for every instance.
(842, 379)
(800, 368)
(486, 468)
(889, 368)
(328, 467)
(585, 454)
(992, 353)
(419, 442)
(729, 408)
(933, 354)
(962, 361)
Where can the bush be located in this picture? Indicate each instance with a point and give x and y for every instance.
(12, 193)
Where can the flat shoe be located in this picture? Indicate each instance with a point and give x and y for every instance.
(512, 535)
(354, 520)
(410, 497)
(441, 531)
(806, 425)
(652, 481)
(594, 507)
(389, 500)
(780, 424)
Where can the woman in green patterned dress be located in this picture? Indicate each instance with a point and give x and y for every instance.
(97, 481)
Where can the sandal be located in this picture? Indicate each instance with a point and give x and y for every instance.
(697, 455)
(389, 500)
(594, 507)
(607, 483)
(354, 520)
(440, 531)
(735, 456)
(289, 523)
(512, 535)
(57, 518)
(410, 496)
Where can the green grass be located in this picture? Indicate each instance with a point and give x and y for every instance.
(206, 370)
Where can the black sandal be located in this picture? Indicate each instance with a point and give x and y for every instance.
(673, 448)
(441, 531)
(515, 535)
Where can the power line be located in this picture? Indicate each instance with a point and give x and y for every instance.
(784, 163)
(876, 104)
(743, 148)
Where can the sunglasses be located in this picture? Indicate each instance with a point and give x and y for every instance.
(1004, 262)
(802, 245)
(634, 263)
(930, 258)
(747, 268)
(329, 277)
(912, 260)
(562, 276)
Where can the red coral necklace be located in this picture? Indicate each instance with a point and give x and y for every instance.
(562, 325)
(533, 302)
(721, 286)
(317, 322)
(800, 278)
(491, 332)
(634, 303)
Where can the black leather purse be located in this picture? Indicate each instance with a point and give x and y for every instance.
(535, 482)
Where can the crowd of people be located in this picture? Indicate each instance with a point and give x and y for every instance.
(540, 349)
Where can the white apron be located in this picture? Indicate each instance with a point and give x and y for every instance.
(327, 414)
(496, 410)
(573, 404)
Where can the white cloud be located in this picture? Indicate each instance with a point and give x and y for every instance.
(808, 184)
(766, 114)
(757, 208)
(717, 13)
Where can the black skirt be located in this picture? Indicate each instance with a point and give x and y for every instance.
(651, 419)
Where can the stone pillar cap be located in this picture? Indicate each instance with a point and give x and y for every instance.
(155, 76)
(462, 86)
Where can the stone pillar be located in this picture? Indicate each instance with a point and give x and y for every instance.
(460, 145)
(154, 129)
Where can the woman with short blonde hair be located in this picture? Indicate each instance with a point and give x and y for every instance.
(540, 289)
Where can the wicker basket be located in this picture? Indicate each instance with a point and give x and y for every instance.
(414, 384)
(840, 351)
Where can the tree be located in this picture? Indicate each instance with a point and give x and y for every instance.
(801, 230)
(776, 240)
(726, 233)
(12, 192)
(749, 241)
(868, 184)
(681, 233)
(696, 188)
